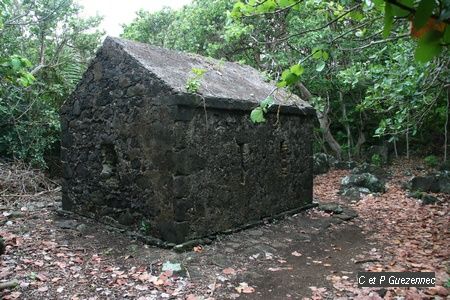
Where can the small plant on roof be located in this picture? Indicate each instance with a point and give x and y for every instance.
(193, 82)
(257, 114)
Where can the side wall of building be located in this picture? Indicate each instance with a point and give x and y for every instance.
(229, 172)
(114, 143)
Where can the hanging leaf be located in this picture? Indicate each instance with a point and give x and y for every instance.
(446, 37)
(285, 74)
(257, 115)
(429, 46)
(289, 77)
(267, 6)
(423, 13)
(388, 20)
(296, 7)
(401, 12)
(297, 69)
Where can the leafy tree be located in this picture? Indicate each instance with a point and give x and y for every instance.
(401, 93)
(57, 45)
(354, 61)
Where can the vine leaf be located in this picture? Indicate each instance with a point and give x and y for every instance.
(429, 46)
(257, 115)
(446, 37)
(297, 69)
(388, 19)
(423, 13)
(400, 12)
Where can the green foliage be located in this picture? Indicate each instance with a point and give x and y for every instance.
(14, 71)
(367, 71)
(291, 75)
(428, 46)
(144, 227)
(198, 27)
(431, 161)
(423, 13)
(386, 92)
(257, 114)
(45, 50)
(376, 160)
(193, 82)
(388, 19)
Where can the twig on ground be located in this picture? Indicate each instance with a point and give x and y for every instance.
(18, 180)
(8, 284)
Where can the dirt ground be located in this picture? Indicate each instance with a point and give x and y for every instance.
(311, 255)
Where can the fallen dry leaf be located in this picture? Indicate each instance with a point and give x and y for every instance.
(15, 295)
(244, 288)
(438, 290)
(229, 271)
(43, 289)
(198, 249)
(41, 277)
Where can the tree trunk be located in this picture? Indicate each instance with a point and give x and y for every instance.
(361, 138)
(324, 122)
(395, 146)
(446, 125)
(347, 127)
(407, 137)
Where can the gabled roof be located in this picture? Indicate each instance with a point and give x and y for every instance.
(222, 79)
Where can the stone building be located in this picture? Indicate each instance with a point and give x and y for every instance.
(140, 151)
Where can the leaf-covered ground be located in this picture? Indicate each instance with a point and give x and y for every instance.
(410, 236)
(310, 255)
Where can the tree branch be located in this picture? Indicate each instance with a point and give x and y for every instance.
(275, 11)
(313, 29)
(413, 11)
(372, 43)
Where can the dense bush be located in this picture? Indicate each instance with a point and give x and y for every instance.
(431, 161)
(45, 49)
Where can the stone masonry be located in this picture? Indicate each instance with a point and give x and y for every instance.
(142, 153)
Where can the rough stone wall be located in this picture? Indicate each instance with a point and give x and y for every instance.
(135, 157)
(229, 171)
(114, 135)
